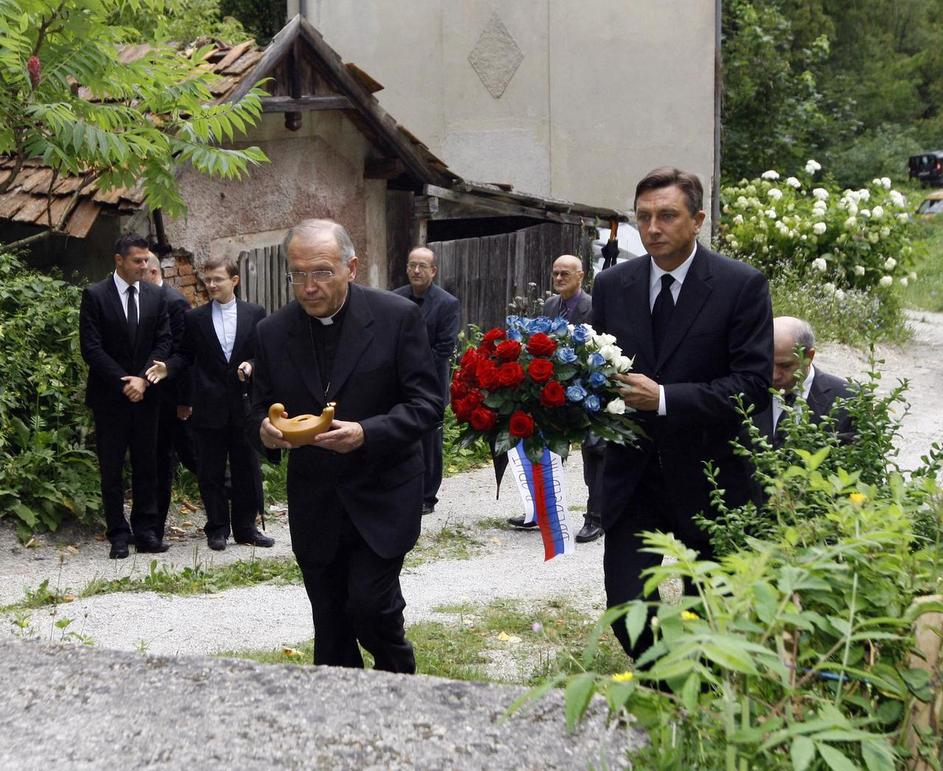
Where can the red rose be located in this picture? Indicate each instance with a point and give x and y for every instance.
(552, 395)
(462, 410)
(483, 419)
(469, 358)
(509, 350)
(540, 370)
(521, 424)
(487, 344)
(487, 374)
(474, 399)
(458, 389)
(510, 375)
(541, 345)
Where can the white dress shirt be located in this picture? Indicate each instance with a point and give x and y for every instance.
(678, 274)
(122, 287)
(804, 393)
(224, 322)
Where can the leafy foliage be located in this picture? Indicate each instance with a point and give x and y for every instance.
(46, 470)
(67, 97)
(181, 22)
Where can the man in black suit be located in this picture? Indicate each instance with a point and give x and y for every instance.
(355, 495)
(699, 326)
(441, 312)
(173, 440)
(576, 305)
(218, 348)
(123, 328)
(794, 376)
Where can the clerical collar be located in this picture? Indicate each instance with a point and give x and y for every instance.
(337, 316)
(228, 305)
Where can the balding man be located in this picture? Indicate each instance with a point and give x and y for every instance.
(441, 312)
(794, 376)
(576, 306)
(355, 495)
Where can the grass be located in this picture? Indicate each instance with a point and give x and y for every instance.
(501, 641)
(450, 542)
(926, 293)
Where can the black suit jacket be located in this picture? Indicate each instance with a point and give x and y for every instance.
(106, 346)
(175, 390)
(215, 388)
(383, 378)
(584, 308)
(825, 389)
(442, 315)
(719, 343)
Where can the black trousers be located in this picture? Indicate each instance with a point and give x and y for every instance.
(355, 597)
(118, 429)
(173, 444)
(593, 457)
(432, 455)
(623, 562)
(214, 446)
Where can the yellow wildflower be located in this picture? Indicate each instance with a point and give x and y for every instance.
(687, 615)
(624, 677)
(858, 498)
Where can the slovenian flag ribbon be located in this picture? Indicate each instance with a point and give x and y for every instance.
(541, 489)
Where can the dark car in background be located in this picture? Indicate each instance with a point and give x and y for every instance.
(927, 167)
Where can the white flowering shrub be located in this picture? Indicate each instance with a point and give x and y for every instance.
(843, 239)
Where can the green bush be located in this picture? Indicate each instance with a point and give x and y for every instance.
(837, 239)
(47, 471)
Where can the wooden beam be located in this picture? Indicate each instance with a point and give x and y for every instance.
(281, 44)
(305, 103)
(503, 208)
(383, 168)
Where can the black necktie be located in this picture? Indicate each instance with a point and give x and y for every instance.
(779, 435)
(132, 315)
(661, 312)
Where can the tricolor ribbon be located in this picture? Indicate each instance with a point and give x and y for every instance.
(541, 489)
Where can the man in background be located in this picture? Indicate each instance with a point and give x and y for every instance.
(173, 439)
(441, 313)
(123, 329)
(576, 306)
(794, 375)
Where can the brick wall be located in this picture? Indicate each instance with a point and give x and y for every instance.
(178, 270)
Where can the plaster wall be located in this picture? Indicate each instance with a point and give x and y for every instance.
(597, 92)
(314, 172)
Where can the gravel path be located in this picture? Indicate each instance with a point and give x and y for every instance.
(508, 565)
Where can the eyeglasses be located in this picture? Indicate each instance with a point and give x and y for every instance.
(421, 266)
(212, 281)
(301, 277)
(561, 274)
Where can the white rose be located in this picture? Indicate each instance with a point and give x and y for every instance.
(775, 193)
(819, 227)
(886, 183)
(819, 264)
(793, 182)
(903, 280)
(812, 166)
(886, 281)
(859, 270)
(610, 352)
(820, 193)
(771, 174)
(616, 407)
(622, 363)
(599, 341)
(890, 263)
(738, 220)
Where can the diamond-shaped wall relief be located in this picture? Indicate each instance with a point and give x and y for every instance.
(496, 56)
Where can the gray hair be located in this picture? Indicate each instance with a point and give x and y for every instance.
(805, 337)
(341, 237)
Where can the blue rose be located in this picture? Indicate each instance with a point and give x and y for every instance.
(513, 322)
(597, 380)
(558, 325)
(580, 334)
(539, 324)
(566, 355)
(596, 359)
(576, 393)
(592, 403)
(515, 334)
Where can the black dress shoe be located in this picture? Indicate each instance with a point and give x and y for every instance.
(519, 522)
(589, 532)
(150, 545)
(255, 539)
(119, 550)
(216, 542)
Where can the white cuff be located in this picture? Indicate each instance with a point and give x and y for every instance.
(662, 407)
